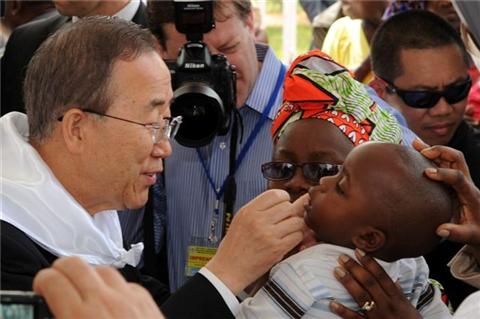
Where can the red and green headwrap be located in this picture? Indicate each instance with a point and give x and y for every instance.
(318, 87)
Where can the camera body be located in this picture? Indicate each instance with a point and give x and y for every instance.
(23, 304)
(204, 84)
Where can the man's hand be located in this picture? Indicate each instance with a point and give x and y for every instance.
(453, 170)
(73, 289)
(261, 233)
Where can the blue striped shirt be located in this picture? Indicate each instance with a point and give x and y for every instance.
(191, 198)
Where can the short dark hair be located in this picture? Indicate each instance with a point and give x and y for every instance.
(161, 12)
(72, 68)
(415, 29)
(415, 202)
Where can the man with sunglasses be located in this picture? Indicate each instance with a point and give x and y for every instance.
(421, 67)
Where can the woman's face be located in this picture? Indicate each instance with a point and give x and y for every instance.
(304, 141)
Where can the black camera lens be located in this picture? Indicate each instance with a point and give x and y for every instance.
(204, 84)
(202, 114)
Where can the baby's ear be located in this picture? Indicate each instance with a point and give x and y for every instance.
(369, 239)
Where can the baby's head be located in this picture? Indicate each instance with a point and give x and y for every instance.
(381, 202)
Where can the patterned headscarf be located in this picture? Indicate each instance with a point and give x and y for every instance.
(317, 87)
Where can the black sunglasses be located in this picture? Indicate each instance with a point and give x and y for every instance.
(313, 171)
(425, 99)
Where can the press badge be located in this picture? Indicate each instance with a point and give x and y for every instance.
(201, 250)
(198, 257)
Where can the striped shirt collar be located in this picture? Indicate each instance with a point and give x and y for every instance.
(266, 80)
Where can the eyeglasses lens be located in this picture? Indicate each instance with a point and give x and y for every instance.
(277, 171)
(427, 99)
(315, 171)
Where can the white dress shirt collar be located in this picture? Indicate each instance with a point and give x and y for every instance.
(127, 13)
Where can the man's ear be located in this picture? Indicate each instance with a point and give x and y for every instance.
(369, 239)
(250, 22)
(162, 51)
(73, 127)
(162, 47)
(379, 86)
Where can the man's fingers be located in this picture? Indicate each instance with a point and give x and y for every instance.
(298, 206)
(343, 311)
(54, 286)
(278, 213)
(286, 210)
(76, 270)
(288, 226)
(269, 199)
(291, 240)
(112, 278)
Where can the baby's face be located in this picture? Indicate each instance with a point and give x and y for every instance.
(343, 203)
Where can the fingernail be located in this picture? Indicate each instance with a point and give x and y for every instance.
(431, 170)
(443, 233)
(360, 253)
(344, 258)
(340, 272)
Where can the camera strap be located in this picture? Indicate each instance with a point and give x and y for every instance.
(228, 188)
(230, 184)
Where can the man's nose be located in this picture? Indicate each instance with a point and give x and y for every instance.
(162, 149)
(442, 108)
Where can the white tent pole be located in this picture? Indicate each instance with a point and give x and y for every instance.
(289, 41)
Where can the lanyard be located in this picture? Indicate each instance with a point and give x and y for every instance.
(246, 147)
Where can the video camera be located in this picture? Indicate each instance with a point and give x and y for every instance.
(204, 84)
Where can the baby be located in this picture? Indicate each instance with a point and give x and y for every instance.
(379, 202)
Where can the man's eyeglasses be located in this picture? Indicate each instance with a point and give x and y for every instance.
(159, 131)
(424, 99)
(313, 171)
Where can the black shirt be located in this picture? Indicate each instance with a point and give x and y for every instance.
(21, 259)
(467, 140)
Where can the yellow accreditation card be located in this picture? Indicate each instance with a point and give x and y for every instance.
(198, 256)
